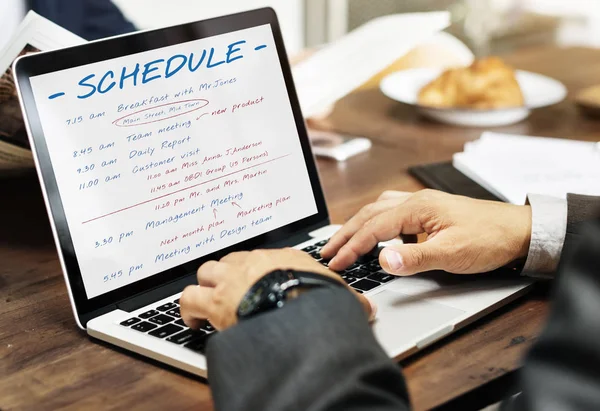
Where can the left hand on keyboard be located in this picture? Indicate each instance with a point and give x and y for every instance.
(223, 284)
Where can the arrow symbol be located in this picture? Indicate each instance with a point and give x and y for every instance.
(236, 204)
(215, 213)
(205, 114)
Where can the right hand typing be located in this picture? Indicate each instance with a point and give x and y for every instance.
(464, 235)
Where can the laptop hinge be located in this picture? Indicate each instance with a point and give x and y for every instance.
(156, 294)
(297, 238)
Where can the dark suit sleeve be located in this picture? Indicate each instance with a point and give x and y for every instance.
(104, 19)
(562, 371)
(316, 353)
(581, 210)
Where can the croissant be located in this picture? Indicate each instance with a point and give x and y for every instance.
(486, 84)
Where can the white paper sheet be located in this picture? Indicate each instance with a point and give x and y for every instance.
(342, 66)
(511, 166)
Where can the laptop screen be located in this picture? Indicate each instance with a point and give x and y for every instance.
(165, 156)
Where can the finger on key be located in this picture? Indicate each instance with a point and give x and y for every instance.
(195, 305)
(383, 227)
(339, 239)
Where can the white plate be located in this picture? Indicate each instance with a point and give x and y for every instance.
(538, 91)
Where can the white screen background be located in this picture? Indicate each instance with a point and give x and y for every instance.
(109, 220)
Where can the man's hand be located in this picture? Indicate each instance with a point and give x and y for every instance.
(223, 284)
(464, 235)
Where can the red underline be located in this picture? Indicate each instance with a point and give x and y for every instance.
(183, 189)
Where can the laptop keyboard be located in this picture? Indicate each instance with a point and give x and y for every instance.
(362, 276)
(164, 321)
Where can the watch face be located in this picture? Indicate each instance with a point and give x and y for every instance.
(265, 294)
(252, 300)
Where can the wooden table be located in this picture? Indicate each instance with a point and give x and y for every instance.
(47, 363)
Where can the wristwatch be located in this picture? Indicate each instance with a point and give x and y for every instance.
(272, 291)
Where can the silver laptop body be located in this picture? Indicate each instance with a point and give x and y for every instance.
(160, 150)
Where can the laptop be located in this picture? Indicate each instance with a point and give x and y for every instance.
(160, 150)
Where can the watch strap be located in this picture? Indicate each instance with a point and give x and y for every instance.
(275, 287)
(308, 279)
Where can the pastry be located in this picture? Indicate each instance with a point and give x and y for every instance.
(486, 84)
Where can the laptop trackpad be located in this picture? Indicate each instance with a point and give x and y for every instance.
(405, 320)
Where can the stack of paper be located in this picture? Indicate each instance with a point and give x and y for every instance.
(511, 166)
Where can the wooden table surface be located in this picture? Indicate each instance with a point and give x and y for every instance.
(47, 363)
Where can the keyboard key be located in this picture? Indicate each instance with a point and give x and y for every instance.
(165, 331)
(131, 321)
(373, 267)
(161, 319)
(322, 243)
(366, 259)
(166, 307)
(186, 336)
(365, 285)
(174, 313)
(180, 322)
(348, 279)
(176, 301)
(144, 326)
(199, 344)
(381, 277)
(316, 255)
(309, 249)
(358, 273)
(370, 256)
(207, 326)
(353, 267)
(148, 314)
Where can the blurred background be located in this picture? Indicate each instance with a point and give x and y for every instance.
(486, 26)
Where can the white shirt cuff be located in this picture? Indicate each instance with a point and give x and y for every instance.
(548, 231)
